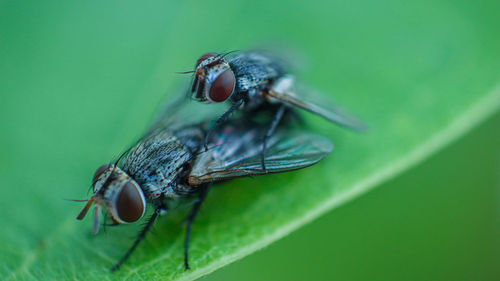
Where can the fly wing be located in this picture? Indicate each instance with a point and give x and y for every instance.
(183, 111)
(283, 90)
(236, 152)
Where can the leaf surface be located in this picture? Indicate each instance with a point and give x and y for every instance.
(81, 81)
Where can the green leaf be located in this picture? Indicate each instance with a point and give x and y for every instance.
(80, 82)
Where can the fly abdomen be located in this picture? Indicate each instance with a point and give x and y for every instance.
(254, 70)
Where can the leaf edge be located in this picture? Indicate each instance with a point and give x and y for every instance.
(477, 113)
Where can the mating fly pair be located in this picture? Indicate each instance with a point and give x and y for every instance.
(183, 154)
(169, 163)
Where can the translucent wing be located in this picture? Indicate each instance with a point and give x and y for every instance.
(236, 152)
(182, 110)
(283, 90)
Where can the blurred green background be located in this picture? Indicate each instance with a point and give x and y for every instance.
(438, 221)
(79, 81)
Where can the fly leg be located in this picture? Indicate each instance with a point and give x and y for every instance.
(140, 237)
(190, 219)
(270, 131)
(221, 120)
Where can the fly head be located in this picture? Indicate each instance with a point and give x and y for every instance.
(214, 80)
(118, 194)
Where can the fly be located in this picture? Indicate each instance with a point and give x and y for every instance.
(253, 81)
(169, 164)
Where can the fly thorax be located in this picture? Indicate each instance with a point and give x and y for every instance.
(162, 169)
(151, 191)
(254, 99)
(243, 84)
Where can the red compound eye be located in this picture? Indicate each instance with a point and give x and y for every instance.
(205, 56)
(130, 204)
(222, 87)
